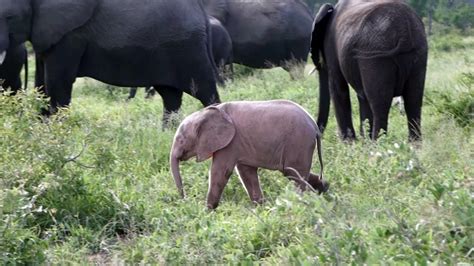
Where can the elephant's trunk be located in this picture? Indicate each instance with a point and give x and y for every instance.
(324, 98)
(174, 161)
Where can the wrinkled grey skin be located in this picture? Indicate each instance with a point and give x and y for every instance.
(13, 62)
(163, 43)
(221, 51)
(277, 135)
(265, 33)
(380, 49)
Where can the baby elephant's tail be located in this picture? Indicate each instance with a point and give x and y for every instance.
(320, 156)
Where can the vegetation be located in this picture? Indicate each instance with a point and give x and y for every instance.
(92, 184)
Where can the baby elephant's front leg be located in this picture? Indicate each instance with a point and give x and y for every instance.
(221, 170)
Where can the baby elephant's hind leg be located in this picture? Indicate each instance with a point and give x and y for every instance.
(317, 183)
(297, 175)
(249, 178)
(303, 179)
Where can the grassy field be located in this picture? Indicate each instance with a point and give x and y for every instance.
(92, 184)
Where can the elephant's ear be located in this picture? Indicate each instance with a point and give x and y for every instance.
(52, 19)
(215, 132)
(319, 31)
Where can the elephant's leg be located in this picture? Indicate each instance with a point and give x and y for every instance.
(229, 71)
(205, 92)
(61, 70)
(59, 89)
(61, 65)
(342, 104)
(13, 84)
(297, 174)
(133, 93)
(172, 99)
(413, 98)
(16, 86)
(221, 170)
(249, 178)
(150, 92)
(40, 74)
(365, 114)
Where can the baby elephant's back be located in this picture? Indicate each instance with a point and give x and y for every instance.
(276, 120)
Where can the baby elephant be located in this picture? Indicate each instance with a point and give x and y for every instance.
(277, 135)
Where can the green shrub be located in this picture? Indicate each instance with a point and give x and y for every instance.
(459, 106)
(47, 190)
(446, 42)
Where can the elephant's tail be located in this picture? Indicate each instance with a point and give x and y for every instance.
(320, 156)
(324, 99)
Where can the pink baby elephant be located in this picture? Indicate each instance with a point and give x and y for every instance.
(276, 135)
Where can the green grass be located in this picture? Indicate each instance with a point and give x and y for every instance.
(92, 184)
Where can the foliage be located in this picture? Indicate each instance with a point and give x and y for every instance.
(455, 13)
(91, 185)
(446, 42)
(459, 106)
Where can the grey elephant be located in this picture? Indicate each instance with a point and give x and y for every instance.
(265, 33)
(11, 63)
(163, 43)
(221, 52)
(380, 49)
(277, 135)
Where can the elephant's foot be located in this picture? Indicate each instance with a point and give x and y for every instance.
(318, 184)
(258, 201)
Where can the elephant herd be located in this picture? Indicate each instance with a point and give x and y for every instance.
(378, 47)
(164, 44)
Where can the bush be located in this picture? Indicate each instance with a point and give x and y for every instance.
(459, 106)
(446, 42)
(45, 189)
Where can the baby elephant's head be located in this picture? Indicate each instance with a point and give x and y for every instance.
(200, 134)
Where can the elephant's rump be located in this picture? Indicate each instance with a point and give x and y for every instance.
(387, 30)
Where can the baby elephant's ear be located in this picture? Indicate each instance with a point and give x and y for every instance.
(215, 132)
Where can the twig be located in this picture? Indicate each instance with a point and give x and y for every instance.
(299, 178)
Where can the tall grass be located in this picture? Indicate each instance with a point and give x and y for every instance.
(92, 184)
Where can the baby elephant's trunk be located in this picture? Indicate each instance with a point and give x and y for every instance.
(174, 161)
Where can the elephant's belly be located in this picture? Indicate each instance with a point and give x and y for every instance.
(265, 164)
(268, 55)
(132, 66)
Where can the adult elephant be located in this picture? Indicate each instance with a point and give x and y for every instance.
(11, 63)
(380, 49)
(221, 51)
(265, 34)
(164, 43)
